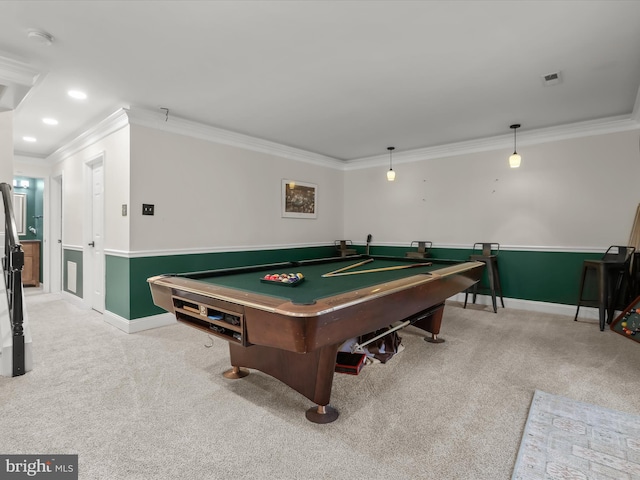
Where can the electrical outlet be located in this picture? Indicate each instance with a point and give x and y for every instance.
(124, 209)
(147, 209)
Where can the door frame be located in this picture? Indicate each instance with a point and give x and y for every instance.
(87, 234)
(54, 235)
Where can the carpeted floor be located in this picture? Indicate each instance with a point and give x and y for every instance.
(566, 439)
(154, 405)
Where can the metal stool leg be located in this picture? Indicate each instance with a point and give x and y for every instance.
(498, 284)
(492, 284)
(582, 279)
(603, 294)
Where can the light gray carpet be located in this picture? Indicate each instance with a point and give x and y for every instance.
(154, 405)
(570, 440)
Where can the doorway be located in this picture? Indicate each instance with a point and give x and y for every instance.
(55, 243)
(94, 263)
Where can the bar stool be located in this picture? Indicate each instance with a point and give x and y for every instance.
(343, 248)
(490, 260)
(612, 271)
(421, 252)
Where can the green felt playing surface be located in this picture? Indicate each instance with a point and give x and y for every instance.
(315, 286)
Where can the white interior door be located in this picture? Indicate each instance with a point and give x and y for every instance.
(96, 245)
(55, 243)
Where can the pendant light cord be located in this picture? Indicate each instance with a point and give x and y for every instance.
(515, 127)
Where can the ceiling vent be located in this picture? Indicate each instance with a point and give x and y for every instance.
(551, 79)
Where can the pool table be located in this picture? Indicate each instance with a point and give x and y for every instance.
(294, 331)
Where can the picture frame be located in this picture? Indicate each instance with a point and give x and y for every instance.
(299, 199)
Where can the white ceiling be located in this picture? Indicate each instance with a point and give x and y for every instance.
(342, 79)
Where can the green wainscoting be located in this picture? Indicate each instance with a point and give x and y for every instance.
(551, 277)
(74, 256)
(118, 295)
(128, 294)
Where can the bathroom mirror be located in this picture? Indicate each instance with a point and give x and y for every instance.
(20, 212)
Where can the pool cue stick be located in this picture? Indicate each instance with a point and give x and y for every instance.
(368, 242)
(348, 267)
(359, 347)
(383, 269)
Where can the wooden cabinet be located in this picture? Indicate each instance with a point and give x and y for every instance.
(31, 270)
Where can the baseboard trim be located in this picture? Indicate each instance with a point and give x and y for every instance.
(587, 313)
(71, 298)
(139, 324)
(6, 359)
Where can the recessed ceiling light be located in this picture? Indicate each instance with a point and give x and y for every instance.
(29, 139)
(77, 94)
(50, 121)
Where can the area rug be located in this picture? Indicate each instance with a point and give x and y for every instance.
(570, 440)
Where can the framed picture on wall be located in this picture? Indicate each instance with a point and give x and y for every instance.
(299, 199)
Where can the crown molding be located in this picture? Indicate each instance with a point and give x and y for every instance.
(170, 123)
(14, 71)
(109, 125)
(17, 78)
(180, 126)
(532, 137)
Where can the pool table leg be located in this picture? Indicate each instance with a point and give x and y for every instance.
(322, 414)
(310, 374)
(235, 373)
(431, 323)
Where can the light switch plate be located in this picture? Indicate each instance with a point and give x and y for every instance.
(147, 209)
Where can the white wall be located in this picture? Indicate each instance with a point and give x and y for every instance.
(6, 149)
(578, 193)
(31, 167)
(209, 196)
(115, 148)
(6, 157)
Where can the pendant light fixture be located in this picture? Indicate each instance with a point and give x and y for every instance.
(515, 158)
(391, 175)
